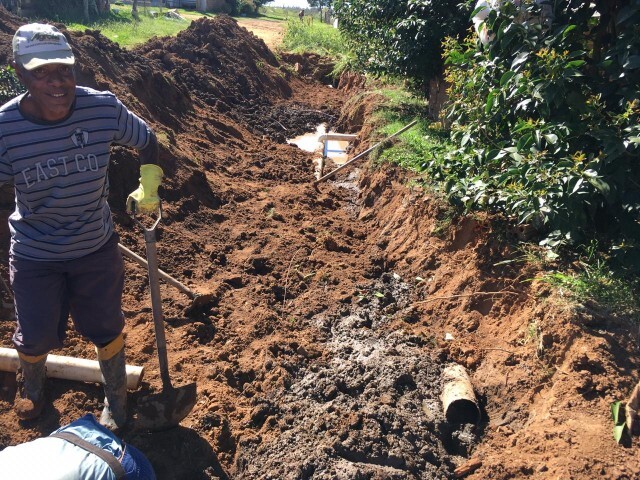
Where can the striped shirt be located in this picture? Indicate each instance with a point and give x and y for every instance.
(60, 174)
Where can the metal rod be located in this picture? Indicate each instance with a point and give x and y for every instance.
(332, 173)
(165, 276)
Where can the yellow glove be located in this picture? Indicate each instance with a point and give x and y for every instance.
(145, 198)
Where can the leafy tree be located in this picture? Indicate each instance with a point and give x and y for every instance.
(547, 121)
(320, 4)
(247, 7)
(401, 37)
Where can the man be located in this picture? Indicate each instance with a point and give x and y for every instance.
(82, 450)
(64, 257)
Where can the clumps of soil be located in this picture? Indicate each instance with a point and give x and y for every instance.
(369, 410)
(220, 62)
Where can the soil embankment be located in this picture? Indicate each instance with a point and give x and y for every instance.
(320, 355)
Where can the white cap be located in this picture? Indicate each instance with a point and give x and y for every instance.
(37, 44)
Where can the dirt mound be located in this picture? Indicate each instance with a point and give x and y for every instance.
(320, 353)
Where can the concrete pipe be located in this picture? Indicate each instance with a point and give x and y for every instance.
(70, 368)
(458, 398)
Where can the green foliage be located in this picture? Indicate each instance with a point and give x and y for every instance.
(320, 3)
(596, 285)
(401, 37)
(619, 425)
(10, 86)
(546, 121)
(317, 38)
(249, 8)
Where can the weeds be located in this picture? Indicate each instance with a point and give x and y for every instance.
(318, 38)
(10, 86)
(598, 283)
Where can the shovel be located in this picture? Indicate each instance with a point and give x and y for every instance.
(172, 405)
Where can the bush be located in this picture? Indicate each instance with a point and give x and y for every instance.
(401, 38)
(10, 86)
(546, 121)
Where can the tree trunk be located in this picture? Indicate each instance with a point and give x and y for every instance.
(85, 10)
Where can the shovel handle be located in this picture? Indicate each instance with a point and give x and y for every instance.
(156, 300)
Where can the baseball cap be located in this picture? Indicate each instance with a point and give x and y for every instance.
(37, 44)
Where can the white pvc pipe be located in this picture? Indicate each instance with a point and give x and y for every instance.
(70, 368)
(345, 137)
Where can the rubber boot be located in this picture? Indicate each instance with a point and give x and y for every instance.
(31, 379)
(112, 365)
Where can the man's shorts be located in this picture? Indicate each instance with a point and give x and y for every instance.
(89, 288)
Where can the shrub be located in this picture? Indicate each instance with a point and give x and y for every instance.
(10, 86)
(546, 121)
(402, 38)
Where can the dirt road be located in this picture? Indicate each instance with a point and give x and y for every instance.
(270, 31)
(320, 355)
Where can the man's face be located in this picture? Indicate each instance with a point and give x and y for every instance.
(52, 90)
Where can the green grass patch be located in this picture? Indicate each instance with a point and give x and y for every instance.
(416, 147)
(278, 13)
(596, 283)
(120, 26)
(317, 37)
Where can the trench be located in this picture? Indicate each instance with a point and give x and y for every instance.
(370, 407)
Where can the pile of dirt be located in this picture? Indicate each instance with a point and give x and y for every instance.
(334, 308)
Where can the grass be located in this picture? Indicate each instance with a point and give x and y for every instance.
(416, 146)
(278, 13)
(596, 283)
(120, 27)
(316, 37)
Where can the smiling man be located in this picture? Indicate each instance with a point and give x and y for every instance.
(64, 258)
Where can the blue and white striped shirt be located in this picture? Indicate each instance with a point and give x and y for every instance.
(60, 174)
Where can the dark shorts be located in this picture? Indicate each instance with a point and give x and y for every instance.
(89, 288)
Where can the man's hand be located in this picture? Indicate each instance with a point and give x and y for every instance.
(145, 198)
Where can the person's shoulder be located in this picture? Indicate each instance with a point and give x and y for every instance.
(10, 106)
(88, 94)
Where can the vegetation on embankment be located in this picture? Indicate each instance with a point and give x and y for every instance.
(542, 126)
(121, 27)
(313, 37)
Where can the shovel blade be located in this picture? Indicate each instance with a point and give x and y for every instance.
(165, 409)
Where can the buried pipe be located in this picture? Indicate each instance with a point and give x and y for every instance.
(70, 368)
(458, 398)
(345, 165)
